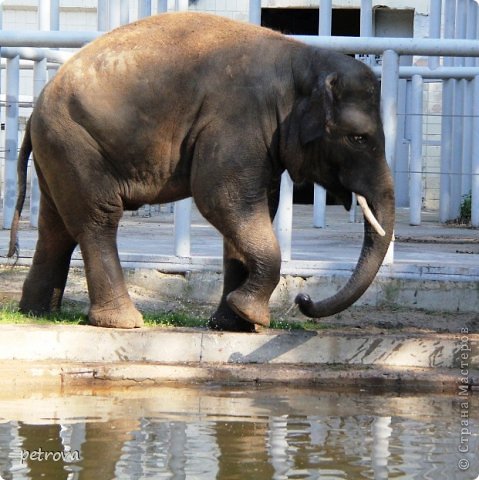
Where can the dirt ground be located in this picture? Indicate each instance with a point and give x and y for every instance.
(372, 319)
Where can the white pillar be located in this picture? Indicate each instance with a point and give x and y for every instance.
(475, 156)
(255, 12)
(183, 227)
(415, 164)
(11, 140)
(284, 217)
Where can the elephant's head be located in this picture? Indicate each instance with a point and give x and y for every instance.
(341, 133)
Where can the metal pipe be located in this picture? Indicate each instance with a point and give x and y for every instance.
(114, 14)
(36, 54)
(11, 141)
(467, 138)
(181, 5)
(162, 6)
(376, 46)
(40, 76)
(402, 46)
(475, 155)
(183, 227)
(254, 15)
(471, 28)
(284, 217)
(102, 13)
(325, 17)
(415, 174)
(446, 150)
(435, 10)
(443, 73)
(319, 209)
(319, 203)
(124, 12)
(144, 8)
(389, 91)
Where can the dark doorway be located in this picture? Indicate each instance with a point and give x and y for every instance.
(305, 21)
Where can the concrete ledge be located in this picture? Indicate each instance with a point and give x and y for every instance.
(162, 345)
(65, 353)
(19, 376)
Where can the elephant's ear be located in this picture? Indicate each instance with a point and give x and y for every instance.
(318, 115)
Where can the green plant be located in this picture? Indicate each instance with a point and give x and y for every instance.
(465, 210)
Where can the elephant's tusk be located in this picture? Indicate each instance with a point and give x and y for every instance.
(370, 215)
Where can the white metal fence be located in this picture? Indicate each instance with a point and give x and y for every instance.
(452, 61)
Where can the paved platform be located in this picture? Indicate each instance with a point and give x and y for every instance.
(436, 267)
(446, 249)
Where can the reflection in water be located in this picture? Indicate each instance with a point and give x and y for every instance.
(261, 433)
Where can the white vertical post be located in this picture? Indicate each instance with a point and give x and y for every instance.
(284, 217)
(124, 12)
(319, 210)
(39, 81)
(447, 124)
(366, 26)
(389, 92)
(319, 207)
(114, 14)
(183, 227)
(325, 17)
(435, 7)
(162, 6)
(181, 5)
(415, 165)
(11, 140)
(446, 150)
(103, 15)
(255, 12)
(144, 8)
(475, 155)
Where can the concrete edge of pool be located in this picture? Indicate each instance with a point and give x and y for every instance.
(63, 354)
(60, 354)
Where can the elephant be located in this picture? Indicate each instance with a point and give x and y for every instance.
(196, 105)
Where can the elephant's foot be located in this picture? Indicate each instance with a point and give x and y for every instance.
(249, 308)
(117, 316)
(224, 319)
(33, 308)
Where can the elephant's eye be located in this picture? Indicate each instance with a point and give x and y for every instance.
(358, 139)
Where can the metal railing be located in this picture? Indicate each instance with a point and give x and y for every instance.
(33, 46)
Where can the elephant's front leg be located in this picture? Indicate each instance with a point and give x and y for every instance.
(252, 261)
(257, 242)
(235, 274)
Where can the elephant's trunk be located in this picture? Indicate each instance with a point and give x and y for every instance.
(374, 249)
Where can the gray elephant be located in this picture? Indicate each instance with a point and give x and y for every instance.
(189, 104)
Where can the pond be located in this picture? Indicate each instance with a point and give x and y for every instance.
(241, 432)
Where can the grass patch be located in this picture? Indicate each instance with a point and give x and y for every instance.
(9, 314)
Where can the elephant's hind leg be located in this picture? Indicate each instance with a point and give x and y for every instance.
(111, 305)
(44, 286)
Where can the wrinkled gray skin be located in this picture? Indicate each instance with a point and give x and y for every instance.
(183, 105)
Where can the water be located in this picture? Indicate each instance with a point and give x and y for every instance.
(236, 433)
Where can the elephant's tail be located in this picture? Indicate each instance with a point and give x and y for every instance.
(22, 165)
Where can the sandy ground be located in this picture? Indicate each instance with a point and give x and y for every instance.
(373, 319)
